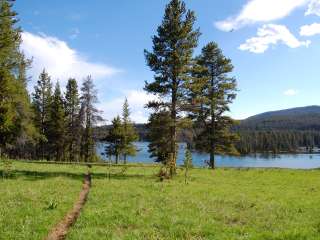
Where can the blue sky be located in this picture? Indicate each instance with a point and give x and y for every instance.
(274, 46)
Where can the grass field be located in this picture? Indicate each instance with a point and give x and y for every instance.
(228, 204)
(28, 199)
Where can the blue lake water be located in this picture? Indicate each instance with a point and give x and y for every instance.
(294, 161)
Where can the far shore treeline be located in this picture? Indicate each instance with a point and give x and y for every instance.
(194, 94)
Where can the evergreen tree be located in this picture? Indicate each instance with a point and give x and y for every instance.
(14, 105)
(212, 91)
(73, 126)
(115, 140)
(26, 131)
(171, 60)
(130, 134)
(158, 135)
(57, 127)
(42, 98)
(90, 116)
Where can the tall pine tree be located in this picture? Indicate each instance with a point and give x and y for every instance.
(73, 126)
(90, 116)
(26, 131)
(171, 60)
(57, 126)
(212, 91)
(41, 100)
(14, 103)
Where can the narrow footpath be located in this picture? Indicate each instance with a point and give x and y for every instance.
(59, 232)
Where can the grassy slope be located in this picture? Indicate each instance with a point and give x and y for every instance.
(24, 199)
(229, 204)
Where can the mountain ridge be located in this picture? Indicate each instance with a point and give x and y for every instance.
(293, 111)
(300, 118)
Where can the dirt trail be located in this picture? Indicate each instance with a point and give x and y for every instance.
(59, 232)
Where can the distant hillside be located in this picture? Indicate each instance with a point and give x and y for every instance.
(291, 130)
(302, 118)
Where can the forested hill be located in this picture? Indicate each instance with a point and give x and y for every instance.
(279, 131)
(290, 130)
(302, 118)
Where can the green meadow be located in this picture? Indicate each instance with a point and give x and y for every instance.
(35, 198)
(131, 203)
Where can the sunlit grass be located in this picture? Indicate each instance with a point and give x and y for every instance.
(35, 198)
(228, 204)
(225, 204)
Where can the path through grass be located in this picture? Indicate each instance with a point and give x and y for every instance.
(36, 198)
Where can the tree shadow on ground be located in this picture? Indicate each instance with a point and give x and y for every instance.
(30, 175)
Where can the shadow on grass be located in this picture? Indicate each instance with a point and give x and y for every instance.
(40, 175)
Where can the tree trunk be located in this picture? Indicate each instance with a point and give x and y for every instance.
(173, 130)
(212, 160)
(212, 142)
(212, 127)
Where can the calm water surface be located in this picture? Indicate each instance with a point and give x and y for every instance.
(295, 161)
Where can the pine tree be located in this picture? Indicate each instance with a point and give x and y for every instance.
(13, 101)
(115, 140)
(171, 60)
(130, 134)
(73, 127)
(90, 116)
(158, 135)
(26, 131)
(56, 123)
(212, 91)
(42, 99)
(7, 113)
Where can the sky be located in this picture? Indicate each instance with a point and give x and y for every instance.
(274, 46)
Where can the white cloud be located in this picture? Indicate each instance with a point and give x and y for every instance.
(271, 34)
(290, 92)
(313, 8)
(310, 30)
(137, 100)
(60, 60)
(260, 11)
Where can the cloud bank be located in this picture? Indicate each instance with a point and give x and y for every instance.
(271, 34)
(59, 59)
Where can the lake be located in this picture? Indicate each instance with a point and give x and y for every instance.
(294, 161)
